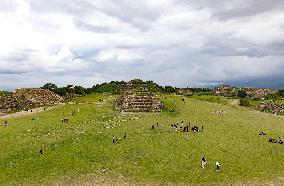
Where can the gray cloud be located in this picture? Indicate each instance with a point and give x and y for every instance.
(176, 42)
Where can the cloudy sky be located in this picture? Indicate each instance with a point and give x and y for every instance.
(172, 42)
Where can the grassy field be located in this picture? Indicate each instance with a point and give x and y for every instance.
(82, 152)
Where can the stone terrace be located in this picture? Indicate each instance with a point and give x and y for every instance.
(24, 99)
(137, 99)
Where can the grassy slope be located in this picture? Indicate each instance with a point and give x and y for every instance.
(85, 146)
(92, 98)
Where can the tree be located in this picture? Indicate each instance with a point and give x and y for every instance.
(244, 102)
(281, 92)
(169, 89)
(242, 94)
(50, 86)
(79, 90)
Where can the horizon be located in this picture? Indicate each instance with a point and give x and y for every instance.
(171, 42)
(210, 87)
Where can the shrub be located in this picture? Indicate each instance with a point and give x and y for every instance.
(244, 102)
(242, 94)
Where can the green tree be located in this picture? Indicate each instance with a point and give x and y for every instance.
(50, 86)
(242, 94)
(244, 102)
(281, 92)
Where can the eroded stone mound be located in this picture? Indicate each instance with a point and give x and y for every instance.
(275, 108)
(131, 101)
(227, 90)
(24, 99)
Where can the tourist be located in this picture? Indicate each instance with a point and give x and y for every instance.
(40, 151)
(217, 166)
(113, 139)
(203, 162)
(124, 135)
(153, 127)
(6, 123)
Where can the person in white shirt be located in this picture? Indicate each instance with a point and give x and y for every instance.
(203, 162)
(217, 166)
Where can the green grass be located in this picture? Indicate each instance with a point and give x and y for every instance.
(3, 92)
(93, 98)
(211, 98)
(83, 148)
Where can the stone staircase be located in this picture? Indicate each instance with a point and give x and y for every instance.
(141, 101)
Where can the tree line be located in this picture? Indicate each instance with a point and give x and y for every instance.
(116, 87)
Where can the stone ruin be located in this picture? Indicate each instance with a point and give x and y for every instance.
(227, 90)
(137, 99)
(27, 98)
(275, 108)
(259, 92)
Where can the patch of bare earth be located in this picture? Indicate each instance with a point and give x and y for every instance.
(29, 112)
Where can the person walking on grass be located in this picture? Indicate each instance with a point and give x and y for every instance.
(113, 139)
(217, 166)
(203, 162)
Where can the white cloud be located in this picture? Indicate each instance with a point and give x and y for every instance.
(119, 55)
(196, 42)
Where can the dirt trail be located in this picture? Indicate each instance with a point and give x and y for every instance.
(27, 113)
(41, 109)
(235, 102)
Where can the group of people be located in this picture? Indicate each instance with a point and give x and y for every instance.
(66, 119)
(186, 128)
(5, 123)
(153, 126)
(115, 140)
(272, 140)
(280, 141)
(204, 163)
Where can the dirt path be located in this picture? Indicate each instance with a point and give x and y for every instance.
(41, 109)
(27, 113)
(235, 102)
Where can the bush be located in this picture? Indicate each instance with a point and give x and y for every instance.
(242, 94)
(281, 92)
(244, 102)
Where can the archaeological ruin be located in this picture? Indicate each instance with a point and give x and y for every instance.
(135, 98)
(227, 90)
(27, 98)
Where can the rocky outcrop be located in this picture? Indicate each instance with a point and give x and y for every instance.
(24, 99)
